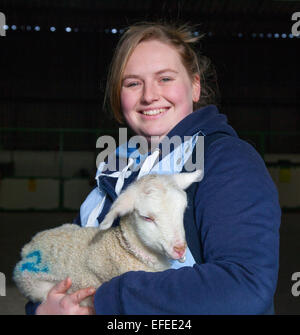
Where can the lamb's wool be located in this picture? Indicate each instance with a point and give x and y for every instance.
(89, 260)
(51, 256)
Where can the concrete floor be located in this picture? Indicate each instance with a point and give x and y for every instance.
(17, 229)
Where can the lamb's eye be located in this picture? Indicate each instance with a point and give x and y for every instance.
(147, 218)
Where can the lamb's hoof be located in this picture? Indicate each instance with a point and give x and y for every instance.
(181, 260)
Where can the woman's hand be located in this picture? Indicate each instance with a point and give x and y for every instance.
(59, 302)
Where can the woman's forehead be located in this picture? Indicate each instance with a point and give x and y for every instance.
(154, 56)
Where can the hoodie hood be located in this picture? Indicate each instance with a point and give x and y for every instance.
(207, 120)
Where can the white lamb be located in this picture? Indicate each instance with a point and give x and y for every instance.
(151, 232)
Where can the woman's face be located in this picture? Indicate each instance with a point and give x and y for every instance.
(157, 91)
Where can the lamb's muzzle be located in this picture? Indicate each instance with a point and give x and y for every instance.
(179, 250)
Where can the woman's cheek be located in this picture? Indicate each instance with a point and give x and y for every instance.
(127, 103)
(180, 96)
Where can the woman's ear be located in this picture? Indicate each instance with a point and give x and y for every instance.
(196, 88)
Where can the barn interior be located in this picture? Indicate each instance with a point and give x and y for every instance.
(54, 63)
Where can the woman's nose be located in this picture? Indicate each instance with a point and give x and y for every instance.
(150, 93)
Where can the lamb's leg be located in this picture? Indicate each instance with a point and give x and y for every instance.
(42, 289)
(35, 286)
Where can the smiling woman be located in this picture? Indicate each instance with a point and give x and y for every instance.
(157, 92)
(181, 41)
(158, 86)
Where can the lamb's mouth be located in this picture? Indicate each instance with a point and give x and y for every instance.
(154, 111)
(171, 256)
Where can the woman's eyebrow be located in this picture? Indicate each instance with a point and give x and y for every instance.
(166, 70)
(135, 76)
(128, 76)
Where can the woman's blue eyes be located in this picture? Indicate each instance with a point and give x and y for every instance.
(132, 84)
(166, 79)
(136, 83)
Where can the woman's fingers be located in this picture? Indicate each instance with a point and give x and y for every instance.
(60, 302)
(81, 294)
(61, 287)
(76, 298)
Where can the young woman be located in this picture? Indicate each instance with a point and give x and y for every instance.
(157, 86)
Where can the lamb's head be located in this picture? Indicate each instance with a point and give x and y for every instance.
(156, 204)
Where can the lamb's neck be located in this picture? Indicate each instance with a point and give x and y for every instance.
(133, 245)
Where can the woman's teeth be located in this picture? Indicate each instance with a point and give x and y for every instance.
(154, 111)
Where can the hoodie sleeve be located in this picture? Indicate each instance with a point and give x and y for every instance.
(238, 215)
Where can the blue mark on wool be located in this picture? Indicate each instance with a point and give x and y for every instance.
(35, 266)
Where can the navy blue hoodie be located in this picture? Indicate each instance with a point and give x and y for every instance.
(236, 213)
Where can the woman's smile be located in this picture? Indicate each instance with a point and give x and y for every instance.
(154, 112)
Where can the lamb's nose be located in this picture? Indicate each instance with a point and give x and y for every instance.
(180, 249)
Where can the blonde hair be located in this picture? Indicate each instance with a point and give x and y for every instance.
(179, 37)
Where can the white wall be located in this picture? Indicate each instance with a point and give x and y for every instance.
(24, 192)
(43, 193)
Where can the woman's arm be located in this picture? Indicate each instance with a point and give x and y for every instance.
(238, 214)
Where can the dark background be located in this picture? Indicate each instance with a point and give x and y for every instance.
(57, 80)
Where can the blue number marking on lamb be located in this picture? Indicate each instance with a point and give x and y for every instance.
(36, 265)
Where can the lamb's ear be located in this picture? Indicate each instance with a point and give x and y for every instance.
(124, 204)
(185, 179)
